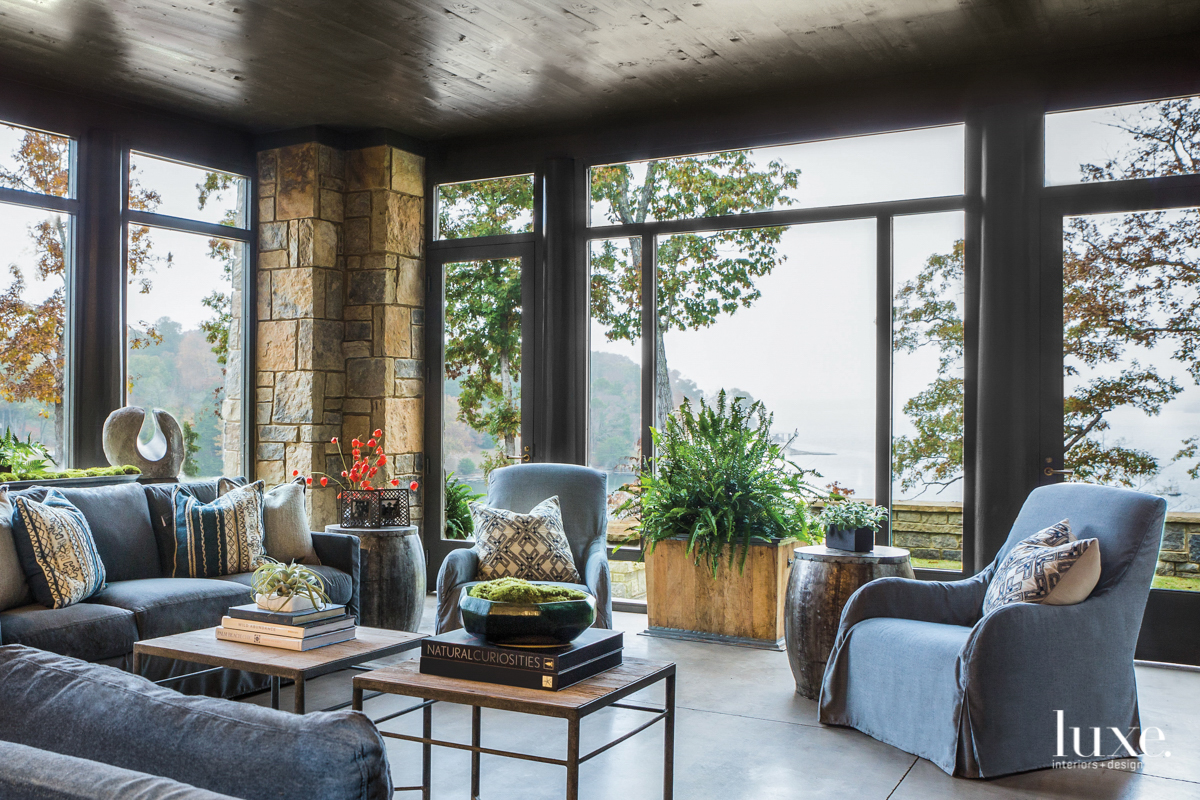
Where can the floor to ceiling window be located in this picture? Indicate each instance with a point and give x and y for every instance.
(37, 201)
(479, 322)
(183, 306)
(1130, 354)
(768, 269)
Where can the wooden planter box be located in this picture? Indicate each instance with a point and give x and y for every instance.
(684, 601)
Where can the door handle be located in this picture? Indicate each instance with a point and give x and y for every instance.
(1048, 472)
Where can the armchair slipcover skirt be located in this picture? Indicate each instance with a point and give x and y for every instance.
(917, 666)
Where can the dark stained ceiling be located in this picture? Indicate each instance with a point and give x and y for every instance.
(444, 69)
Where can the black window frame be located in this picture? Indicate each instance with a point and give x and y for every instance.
(883, 213)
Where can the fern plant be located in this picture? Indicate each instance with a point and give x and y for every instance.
(720, 481)
(458, 510)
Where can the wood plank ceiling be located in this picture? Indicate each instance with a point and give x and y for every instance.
(442, 69)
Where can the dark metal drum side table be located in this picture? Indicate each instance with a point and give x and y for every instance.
(822, 581)
(391, 576)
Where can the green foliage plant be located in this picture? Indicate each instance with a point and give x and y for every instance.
(851, 515)
(289, 580)
(458, 512)
(25, 457)
(54, 475)
(515, 590)
(720, 481)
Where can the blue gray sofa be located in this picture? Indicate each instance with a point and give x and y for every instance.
(134, 533)
(69, 729)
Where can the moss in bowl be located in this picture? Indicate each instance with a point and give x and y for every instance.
(517, 613)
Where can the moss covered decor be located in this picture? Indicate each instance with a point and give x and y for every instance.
(515, 590)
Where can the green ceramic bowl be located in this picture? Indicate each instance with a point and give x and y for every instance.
(527, 624)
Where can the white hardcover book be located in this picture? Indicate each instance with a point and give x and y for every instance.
(285, 642)
(292, 631)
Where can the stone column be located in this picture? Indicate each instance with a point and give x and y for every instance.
(340, 289)
(385, 293)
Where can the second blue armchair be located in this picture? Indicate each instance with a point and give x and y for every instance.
(582, 495)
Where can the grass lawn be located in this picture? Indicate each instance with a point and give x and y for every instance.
(1175, 582)
(929, 563)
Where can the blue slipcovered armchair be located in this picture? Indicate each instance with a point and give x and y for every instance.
(582, 495)
(914, 664)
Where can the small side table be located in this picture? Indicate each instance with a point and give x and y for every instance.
(391, 576)
(822, 581)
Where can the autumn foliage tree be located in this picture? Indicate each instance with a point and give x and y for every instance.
(31, 332)
(700, 276)
(483, 308)
(1131, 290)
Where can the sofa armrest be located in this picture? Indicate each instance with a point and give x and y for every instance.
(459, 567)
(341, 551)
(597, 576)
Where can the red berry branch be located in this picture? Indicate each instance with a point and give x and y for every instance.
(367, 461)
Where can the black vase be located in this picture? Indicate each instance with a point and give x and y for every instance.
(858, 540)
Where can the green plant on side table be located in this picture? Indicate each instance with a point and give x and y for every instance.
(287, 587)
(720, 482)
(852, 524)
(459, 497)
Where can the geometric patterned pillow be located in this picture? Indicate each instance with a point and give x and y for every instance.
(532, 546)
(57, 551)
(1051, 567)
(224, 537)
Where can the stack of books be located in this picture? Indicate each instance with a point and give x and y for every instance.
(288, 630)
(458, 654)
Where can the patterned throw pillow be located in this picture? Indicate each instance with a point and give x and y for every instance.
(224, 537)
(1051, 567)
(57, 551)
(532, 546)
(287, 536)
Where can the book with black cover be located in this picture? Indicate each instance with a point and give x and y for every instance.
(526, 678)
(298, 618)
(458, 645)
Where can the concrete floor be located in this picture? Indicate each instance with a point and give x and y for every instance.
(743, 732)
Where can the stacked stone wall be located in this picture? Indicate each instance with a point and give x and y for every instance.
(340, 318)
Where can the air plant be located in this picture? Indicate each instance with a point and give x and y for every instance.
(275, 579)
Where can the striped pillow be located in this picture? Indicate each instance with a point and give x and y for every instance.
(224, 537)
(57, 551)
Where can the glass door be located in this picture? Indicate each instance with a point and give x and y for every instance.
(1123, 378)
(478, 409)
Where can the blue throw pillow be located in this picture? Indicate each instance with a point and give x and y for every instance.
(224, 537)
(57, 551)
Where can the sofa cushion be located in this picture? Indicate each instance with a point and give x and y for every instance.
(165, 606)
(223, 537)
(86, 631)
(14, 589)
(57, 551)
(532, 546)
(287, 536)
(119, 517)
(162, 513)
(36, 774)
(240, 749)
(338, 585)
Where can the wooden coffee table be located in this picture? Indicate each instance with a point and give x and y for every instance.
(203, 647)
(572, 704)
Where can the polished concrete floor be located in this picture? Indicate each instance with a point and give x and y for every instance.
(743, 732)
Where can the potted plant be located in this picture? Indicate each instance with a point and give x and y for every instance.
(288, 587)
(851, 524)
(721, 508)
(459, 497)
(371, 495)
